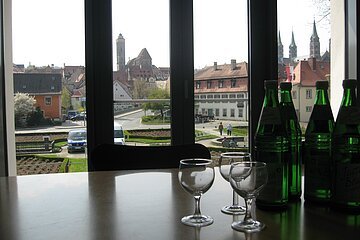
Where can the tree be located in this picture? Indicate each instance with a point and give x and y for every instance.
(157, 93)
(323, 11)
(65, 99)
(24, 104)
(141, 89)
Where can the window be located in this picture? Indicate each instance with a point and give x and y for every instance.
(293, 94)
(47, 101)
(210, 96)
(224, 96)
(308, 93)
(308, 108)
(216, 96)
(203, 96)
(224, 112)
(217, 112)
(240, 112)
(241, 95)
(221, 84)
(232, 96)
(196, 96)
(233, 83)
(232, 112)
(208, 84)
(197, 84)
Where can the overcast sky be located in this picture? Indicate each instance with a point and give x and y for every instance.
(52, 31)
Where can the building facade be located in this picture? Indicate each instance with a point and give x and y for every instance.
(221, 91)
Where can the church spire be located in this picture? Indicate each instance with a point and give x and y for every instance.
(280, 50)
(314, 44)
(292, 48)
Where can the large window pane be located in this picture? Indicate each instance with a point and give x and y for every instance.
(141, 72)
(49, 86)
(221, 73)
(304, 50)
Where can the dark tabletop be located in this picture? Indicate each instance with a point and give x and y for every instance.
(145, 205)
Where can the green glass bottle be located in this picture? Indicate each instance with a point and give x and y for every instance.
(317, 154)
(272, 147)
(346, 151)
(293, 131)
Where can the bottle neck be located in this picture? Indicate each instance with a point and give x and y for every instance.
(322, 97)
(349, 97)
(285, 96)
(271, 98)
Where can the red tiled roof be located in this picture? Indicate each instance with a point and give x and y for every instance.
(222, 72)
(306, 76)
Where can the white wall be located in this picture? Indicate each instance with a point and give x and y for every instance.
(9, 87)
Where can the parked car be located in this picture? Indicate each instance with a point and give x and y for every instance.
(71, 113)
(77, 140)
(119, 137)
(80, 116)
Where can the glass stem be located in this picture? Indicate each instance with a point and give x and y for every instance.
(197, 205)
(235, 199)
(248, 205)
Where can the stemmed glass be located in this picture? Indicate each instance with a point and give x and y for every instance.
(225, 161)
(247, 179)
(196, 176)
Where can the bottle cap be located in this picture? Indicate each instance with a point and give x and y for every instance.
(285, 86)
(322, 84)
(349, 83)
(271, 84)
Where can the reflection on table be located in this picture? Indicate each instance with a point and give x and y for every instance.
(145, 205)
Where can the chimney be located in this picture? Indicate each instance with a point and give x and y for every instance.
(233, 64)
(312, 63)
(215, 66)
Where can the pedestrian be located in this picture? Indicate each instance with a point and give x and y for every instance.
(229, 129)
(221, 127)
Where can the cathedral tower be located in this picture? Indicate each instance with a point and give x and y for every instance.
(120, 53)
(315, 44)
(280, 50)
(292, 48)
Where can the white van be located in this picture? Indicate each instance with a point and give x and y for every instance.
(119, 137)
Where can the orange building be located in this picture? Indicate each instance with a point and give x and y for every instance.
(45, 87)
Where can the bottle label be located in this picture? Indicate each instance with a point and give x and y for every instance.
(321, 113)
(349, 115)
(317, 172)
(270, 115)
(276, 188)
(347, 183)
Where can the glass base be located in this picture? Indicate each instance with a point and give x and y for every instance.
(233, 210)
(197, 221)
(248, 226)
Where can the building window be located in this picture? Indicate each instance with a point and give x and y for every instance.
(224, 96)
(217, 112)
(308, 108)
(203, 96)
(241, 95)
(221, 84)
(293, 94)
(308, 94)
(233, 83)
(232, 112)
(203, 111)
(210, 96)
(224, 112)
(196, 96)
(240, 113)
(47, 101)
(232, 96)
(208, 84)
(217, 96)
(197, 84)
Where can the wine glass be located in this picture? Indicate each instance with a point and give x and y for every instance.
(196, 176)
(247, 179)
(225, 161)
